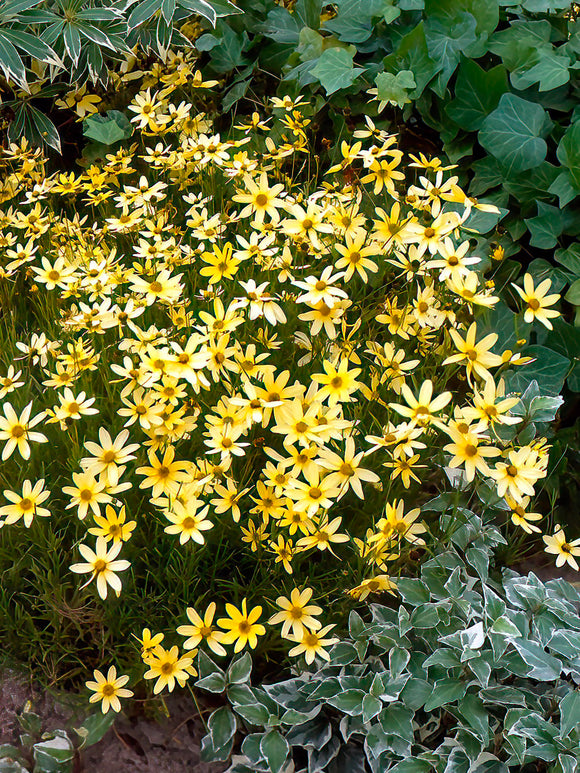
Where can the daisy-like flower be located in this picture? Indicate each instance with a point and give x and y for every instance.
(73, 408)
(519, 515)
(397, 525)
(108, 455)
(324, 535)
(475, 354)
(16, 431)
(297, 614)
(113, 526)
(321, 289)
(338, 383)
(312, 644)
(467, 451)
(25, 505)
(454, 264)
(167, 667)
(380, 583)
(537, 301)
(518, 474)
(261, 199)
(10, 382)
(355, 257)
(164, 476)
(188, 521)
(489, 408)
(202, 630)
(108, 689)
(345, 469)
(102, 565)
(86, 492)
(148, 641)
(421, 409)
(564, 550)
(242, 627)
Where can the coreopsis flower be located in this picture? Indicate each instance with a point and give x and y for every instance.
(202, 630)
(297, 614)
(168, 667)
(355, 257)
(324, 535)
(396, 525)
(537, 301)
(108, 455)
(108, 689)
(102, 564)
(10, 382)
(165, 475)
(560, 547)
(421, 409)
(520, 517)
(188, 521)
(467, 451)
(241, 626)
(78, 100)
(489, 408)
(518, 474)
(16, 431)
(338, 383)
(312, 644)
(26, 504)
(475, 354)
(86, 492)
(378, 584)
(345, 470)
(113, 526)
(261, 199)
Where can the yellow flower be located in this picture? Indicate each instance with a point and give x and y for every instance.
(297, 614)
(475, 354)
(313, 643)
(202, 630)
(164, 476)
(167, 667)
(339, 383)
(113, 526)
(261, 200)
(25, 505)
(421, 409)
(102, 565)
(222, 265)
(16, 431)
(467, 451)
(108, 689)
(86, 492)
(188, 521)
(324, 535)
(565, 551)
(242, 627)
(537, 301)
(377, 584)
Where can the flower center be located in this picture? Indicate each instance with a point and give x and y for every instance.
(261, 200)
(26, 504)
(17, 431)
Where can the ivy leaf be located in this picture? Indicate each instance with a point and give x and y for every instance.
(275, 749)
(512, 133)
(445, 691)
(335, 69)
(546, 226)
(569, 152)
(108, 128)
(446, 40)
(477, 93)
(549, 369)
(395, 89)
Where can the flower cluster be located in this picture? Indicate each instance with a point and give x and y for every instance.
(250, 354)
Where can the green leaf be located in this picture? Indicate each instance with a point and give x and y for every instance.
(255, 714)
(573, 294)
(371, 706)
(353, 22)
(275, 749)
(446, 40)
(108, 128)
(94, 728)
(549, 370)
(335, 69)
(415, 693)
(546, 226)
(240, 670)
(349, 701)
(229, 55)
(477, 93)
(542, 666)
(222, 726)
(512, 132)
(445, 691)
(550, 71)
(485, 12)
(564, 188)
(569, 152)
(54, 755)
(142, 12)
(43, 127)
(33, 46)
(11, 63)
(395, 89)
(569, 712)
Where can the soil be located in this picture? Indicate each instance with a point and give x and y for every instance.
(170, 745)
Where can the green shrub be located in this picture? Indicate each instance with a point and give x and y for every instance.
(467, 674)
